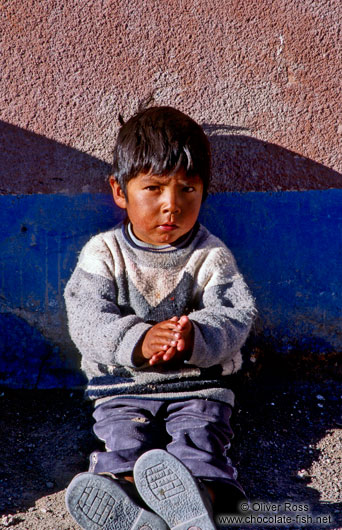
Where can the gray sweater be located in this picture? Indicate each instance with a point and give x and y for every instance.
(119, 290)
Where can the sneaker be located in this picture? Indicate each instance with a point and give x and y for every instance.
(171, 491)
(97, 501)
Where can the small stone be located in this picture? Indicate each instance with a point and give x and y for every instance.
(321, 398)
(303, 474)
(8, 520)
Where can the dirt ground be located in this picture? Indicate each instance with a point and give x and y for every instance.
(287, 448)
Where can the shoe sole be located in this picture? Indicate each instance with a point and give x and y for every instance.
(96, 501)
(170, 490)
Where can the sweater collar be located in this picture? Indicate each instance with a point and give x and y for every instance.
(182, 242)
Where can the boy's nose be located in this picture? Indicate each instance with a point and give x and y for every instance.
(171, 203)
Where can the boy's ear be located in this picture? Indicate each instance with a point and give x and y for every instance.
(118, 194)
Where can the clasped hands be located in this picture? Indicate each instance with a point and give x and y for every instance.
(168, 340)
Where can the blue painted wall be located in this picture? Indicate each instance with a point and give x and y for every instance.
(289, 247)
(41, 236)
(287, 244)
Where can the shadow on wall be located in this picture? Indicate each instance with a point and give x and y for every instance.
(42, 228)
(28, 360)
(31, 163)
(52, 200)
(288, 245)
(242, 163)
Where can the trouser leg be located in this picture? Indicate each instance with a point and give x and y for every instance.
(129, 428)
(201, 434)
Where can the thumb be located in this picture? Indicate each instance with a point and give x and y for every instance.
(183, 321)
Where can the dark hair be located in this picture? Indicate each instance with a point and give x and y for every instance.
(161, 140)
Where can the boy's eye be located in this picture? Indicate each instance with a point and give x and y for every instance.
(188, 189)
(152, 188)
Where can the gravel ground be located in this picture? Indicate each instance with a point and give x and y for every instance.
(287, 448)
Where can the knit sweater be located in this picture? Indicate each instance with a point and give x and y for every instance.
(119, 290)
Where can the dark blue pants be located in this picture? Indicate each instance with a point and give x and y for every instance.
(196, 431)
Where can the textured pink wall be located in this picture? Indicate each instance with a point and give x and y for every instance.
(265, 78)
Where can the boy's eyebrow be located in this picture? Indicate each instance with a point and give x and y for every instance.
(162, 178)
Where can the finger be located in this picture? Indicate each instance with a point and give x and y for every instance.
(181, 345)
(164, 335)
(162, 344)
(156, 358)
(169, 354)
(168, 325)
(171, 321)
(183, 321)
(159, 357)
(165, 332)
(173, 344)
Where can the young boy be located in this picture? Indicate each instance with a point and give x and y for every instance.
(159, 312)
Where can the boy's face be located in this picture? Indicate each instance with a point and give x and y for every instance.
(161, 208)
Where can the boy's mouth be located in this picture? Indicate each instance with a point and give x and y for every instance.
(168, 226)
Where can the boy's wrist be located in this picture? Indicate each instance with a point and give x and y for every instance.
(138, 357)
(189, 342)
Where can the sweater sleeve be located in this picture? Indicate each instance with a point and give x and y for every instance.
(225, 312)
(97, 327)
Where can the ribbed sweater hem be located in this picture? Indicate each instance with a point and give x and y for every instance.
(224, 395)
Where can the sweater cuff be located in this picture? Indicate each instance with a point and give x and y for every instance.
(199, 349)
(129, 342)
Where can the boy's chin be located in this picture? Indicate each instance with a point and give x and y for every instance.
(170, 239)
